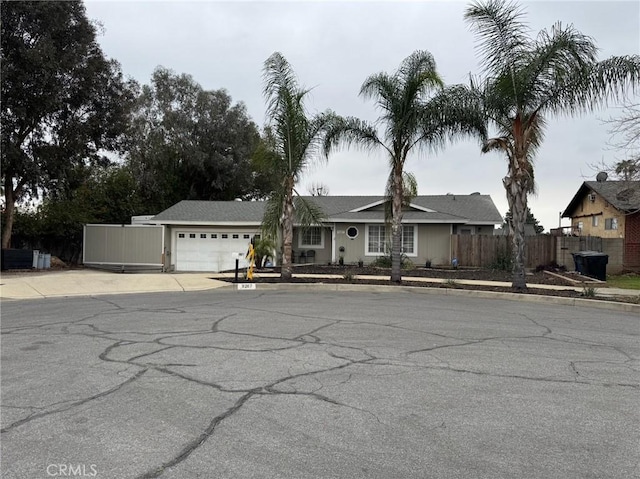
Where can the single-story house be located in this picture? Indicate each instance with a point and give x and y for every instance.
(204, 235)
(608, 209)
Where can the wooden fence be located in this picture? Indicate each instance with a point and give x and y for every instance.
(485, 250)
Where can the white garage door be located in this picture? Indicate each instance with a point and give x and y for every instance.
(209, 251)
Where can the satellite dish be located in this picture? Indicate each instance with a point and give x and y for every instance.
(601, 177)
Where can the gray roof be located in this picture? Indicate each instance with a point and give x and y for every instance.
(212, 212)
(622, 195)
(446, 209)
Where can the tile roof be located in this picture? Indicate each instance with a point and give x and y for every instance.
(446, 209)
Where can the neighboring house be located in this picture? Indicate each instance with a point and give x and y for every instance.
(204, 235)
(608, 209)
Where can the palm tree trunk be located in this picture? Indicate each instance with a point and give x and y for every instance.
(396, 228)
(517, 198)
(287, 232)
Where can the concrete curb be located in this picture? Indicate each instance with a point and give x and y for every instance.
(92, 283)
(530, 298)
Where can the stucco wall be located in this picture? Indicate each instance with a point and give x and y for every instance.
(323, 254)
(434, 243)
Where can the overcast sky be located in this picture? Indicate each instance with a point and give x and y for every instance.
(334, 46)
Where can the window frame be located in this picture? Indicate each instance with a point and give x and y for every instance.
(301, 238)
(387, 238)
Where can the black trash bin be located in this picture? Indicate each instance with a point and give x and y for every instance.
(592, 264)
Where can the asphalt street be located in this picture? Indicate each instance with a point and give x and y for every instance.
(276, 384)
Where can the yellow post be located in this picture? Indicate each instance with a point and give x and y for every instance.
(251, 256)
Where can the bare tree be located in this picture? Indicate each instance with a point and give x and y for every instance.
(318, 189)
(625, 139)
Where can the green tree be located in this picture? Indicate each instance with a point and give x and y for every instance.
(292, 140)
(417, 112)
(89, 195)
(63, 102)
(190, 143)
(531, 220)
(526, 80)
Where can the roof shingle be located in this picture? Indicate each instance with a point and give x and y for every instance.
(446, 208)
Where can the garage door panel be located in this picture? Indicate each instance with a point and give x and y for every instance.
(210, 251)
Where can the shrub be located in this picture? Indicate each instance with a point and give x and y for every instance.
(385, 261)
(503, 261)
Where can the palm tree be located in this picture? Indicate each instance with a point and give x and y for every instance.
(417, 112)
(291, 142)
(526, 80)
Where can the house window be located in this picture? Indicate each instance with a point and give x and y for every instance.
(214, 236)
(352, 232)
(407, 240)
(245, 236)
(377, 240)
(236, 236)
(311, 237)
(192, 235)
(594, 221)
(180, 235)
(580, 225)
(611, 224)
(203, 235)
(225, 235)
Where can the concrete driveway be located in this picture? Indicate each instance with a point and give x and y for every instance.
(250, 384)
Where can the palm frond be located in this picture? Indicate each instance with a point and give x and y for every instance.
(456, 111)
(308, 213)
(279, 81)
(272, 219)
(502, 33)
(498, 144)
(606, 81)
(383, 88)
(351, 131)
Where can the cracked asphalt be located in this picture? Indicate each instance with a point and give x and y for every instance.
(244, 384)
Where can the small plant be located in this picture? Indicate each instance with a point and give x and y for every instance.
(385, 260)
(450, 283)
(349, 276)
(341, 261)
(588, 291)
(427, 264)
(360, 263)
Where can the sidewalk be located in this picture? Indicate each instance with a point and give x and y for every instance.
(86, 282)
(601, 291)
